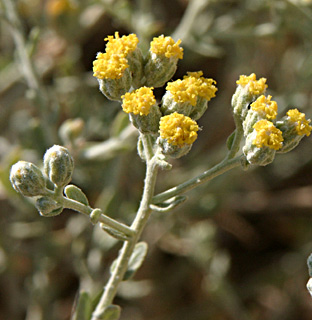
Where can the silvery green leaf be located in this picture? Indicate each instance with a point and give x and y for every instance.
(114, 233)
(83, 308)
(112, 312)
(75, 193)
(169, 204)
(136, 259)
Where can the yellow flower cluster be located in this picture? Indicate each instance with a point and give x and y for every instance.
(113, 63)
(123, 45)
(139, 101)
(178, 129)
(302, 124)
(109, 66)
(265, 107)
(267, 135)
(192, 86)
(254, 86)
(166, 46)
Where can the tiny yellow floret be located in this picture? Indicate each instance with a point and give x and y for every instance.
(178, 129)
(166, 46)
(268, 135)
(302, 124)
(265, 107)
(123, 45)
(192, 86)
(254, 86)
(109, 66)
(139, 101)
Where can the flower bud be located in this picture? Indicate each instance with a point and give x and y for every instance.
(119, 67)
(162, 60)
(113, 89)
(247, 91)
(177, 134)
(189, 96)
(262, 143)
(143, 110)
(27, 179)
(48, 207)
(262, 108)
(58, 165)
(171, 150)
(255, 155)
(294, 127)
(136, 61)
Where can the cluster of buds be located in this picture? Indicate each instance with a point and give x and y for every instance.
(27, 179)
(257, 114)
(172, 123)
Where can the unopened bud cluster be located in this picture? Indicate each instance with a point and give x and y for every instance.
(172, 123)
(30, 181)
(257, 114)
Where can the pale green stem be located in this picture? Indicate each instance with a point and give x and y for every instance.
(137, 226)
(215, 171)
(228, 163)
(80, 207)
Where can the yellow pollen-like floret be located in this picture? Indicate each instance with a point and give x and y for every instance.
(268, 135)
(302, 124)
(178, 129)
(192, 86)
(265, 107)
(254, 86)
(123, 45)
(139, 101)
(109, 66)
(166, 46)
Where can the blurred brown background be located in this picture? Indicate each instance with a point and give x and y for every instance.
(237, 248)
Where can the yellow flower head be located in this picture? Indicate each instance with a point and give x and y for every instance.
(178, 129)
(139, 101)
(267, 135)
(265, 107)
(302, 124)
(192, 86)
(254, 86)
(123, 45)
(109, 66)
(166, 46)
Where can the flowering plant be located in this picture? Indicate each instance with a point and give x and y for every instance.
(166, 130)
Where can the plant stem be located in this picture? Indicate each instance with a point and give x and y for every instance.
(137, 226)
(215, 171)
(80, 207)
(229, 162)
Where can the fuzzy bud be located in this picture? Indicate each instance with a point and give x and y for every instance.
(262, 143)
(189, 96)
(27, 179)
(136, 61)
(247, 91)
(58, 165)
(143, 110)
(113, 89)
(48, 207)
(294, 127)
(162, 60)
